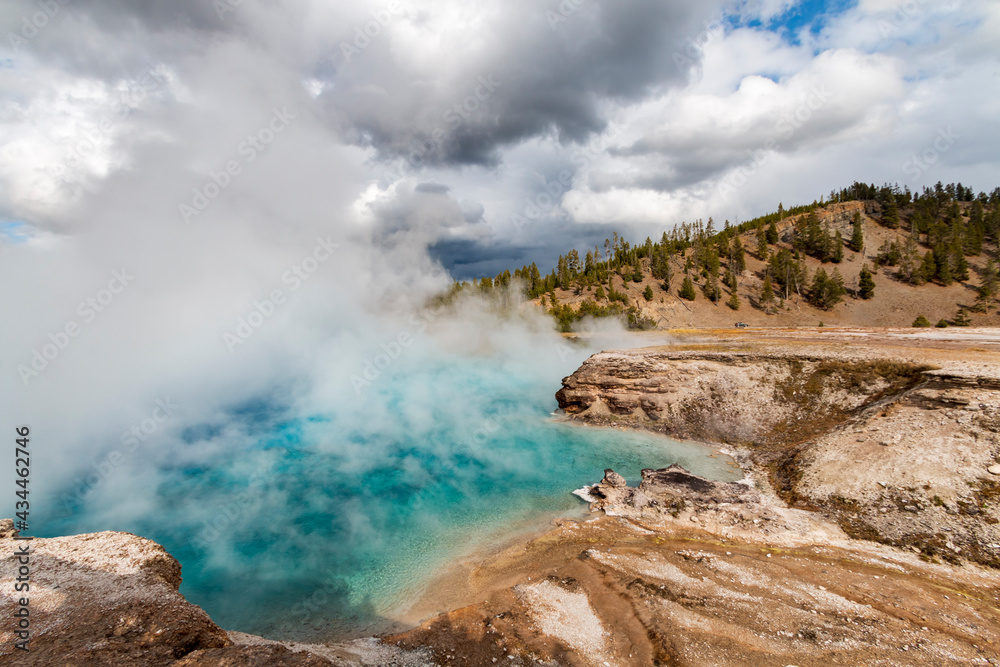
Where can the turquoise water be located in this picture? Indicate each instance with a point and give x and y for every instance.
(313, 526)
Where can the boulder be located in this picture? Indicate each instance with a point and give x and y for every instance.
(611, 478)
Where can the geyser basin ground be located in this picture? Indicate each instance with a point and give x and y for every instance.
(315, 527)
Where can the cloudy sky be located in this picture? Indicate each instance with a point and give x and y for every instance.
(166, 167)
(499, 133)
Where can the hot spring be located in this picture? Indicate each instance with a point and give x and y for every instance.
(314, 525)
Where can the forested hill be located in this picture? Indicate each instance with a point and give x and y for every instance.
(867, 256)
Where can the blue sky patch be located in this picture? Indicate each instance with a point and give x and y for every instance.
(14, 231)
(812, 15)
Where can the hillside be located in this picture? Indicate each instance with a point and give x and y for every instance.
(930, 255)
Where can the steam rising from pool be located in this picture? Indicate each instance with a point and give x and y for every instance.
(311, 510)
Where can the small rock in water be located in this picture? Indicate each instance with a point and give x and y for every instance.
(613, 479)
(994, 469)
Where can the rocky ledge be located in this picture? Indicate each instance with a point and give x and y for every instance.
(686, 571)
(672, 489)
(899, 450)
(112, 599)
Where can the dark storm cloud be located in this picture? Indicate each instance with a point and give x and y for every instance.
(433, 188)
(536, 71)
(109, 39)
(541, 244)
(157, 15)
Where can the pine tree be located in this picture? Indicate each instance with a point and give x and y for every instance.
(659, 265)
(826, 290)
(599, 293)
(648, 293)
(944, 273)
(960, 266)
(734, 301)
(761, 244)
(837, 290)
(825, 249)
(857, 234)
(687, 288)
(909, 263)
(772, 233)
(890, 213)
(962, 318)
(992, 223)
(987, 288)
(921, 322)
(976, 215)
(712, 263)
(991, 280)
(972, 240)
(838, 248)
(767, 294)
(712, 291)
(866, 285)
(928, 267)
(739, 261)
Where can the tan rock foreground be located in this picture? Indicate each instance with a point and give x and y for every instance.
(111, 599)
(865, 532)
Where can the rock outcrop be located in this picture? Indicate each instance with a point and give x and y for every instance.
(669, 591)
(112, 599)
(103, 599)
(898, 449)
(729, 396)
(671, 489)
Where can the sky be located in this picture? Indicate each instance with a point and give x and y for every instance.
(209, 197)
(502, 133)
